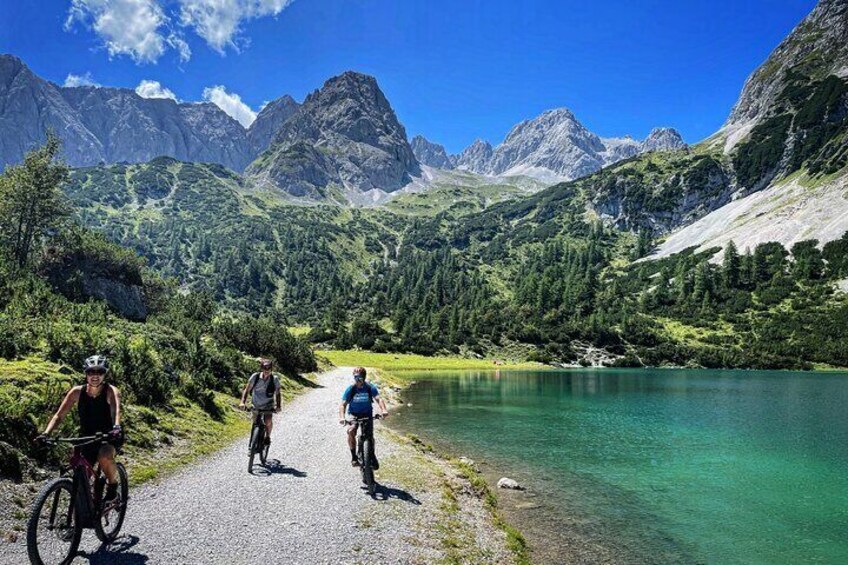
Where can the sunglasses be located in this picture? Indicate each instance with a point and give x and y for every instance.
(268, 366)
(99, 372)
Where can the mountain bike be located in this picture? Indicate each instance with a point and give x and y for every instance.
(365, 448)
(257, 445)
(72, 502)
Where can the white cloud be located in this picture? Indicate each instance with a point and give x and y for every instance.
(145, 29)
(181, 46)
(127, 27)
(77, 80)
(219, 21)
(230, 103)
(154, 89)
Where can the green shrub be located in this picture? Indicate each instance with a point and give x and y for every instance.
(139, 371)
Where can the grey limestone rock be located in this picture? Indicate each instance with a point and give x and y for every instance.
(430, 154)
(356, 140)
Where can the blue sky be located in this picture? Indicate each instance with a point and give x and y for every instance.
(453, 70)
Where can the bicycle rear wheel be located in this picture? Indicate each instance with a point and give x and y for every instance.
(367, 469)
(109, 521)
(53, 530)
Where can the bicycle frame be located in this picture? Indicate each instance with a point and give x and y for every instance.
(366, 429)
(82, 492)
(84, 477)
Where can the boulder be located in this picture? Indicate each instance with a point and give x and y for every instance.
(508, 483)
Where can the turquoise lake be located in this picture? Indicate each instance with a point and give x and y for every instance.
(657, 465)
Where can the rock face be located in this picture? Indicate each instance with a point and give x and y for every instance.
(430, 154)
(555, 144)
(268, 121)
(791, 118)
(127, 300)
(817, 47)
(344, 135)
(475, 157)
(662, 139)
(112, 125)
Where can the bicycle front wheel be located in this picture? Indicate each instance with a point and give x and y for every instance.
(53, 530)
(255, 438)
(263, 454)
(108, 524)
(367, 469)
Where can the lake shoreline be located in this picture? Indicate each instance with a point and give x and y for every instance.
(547, 542)
(623, 465)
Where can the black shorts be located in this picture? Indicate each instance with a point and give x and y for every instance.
(90, 451)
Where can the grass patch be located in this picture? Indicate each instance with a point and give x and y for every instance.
(179, 436)
(410, 362)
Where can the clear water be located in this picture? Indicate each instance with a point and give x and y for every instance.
(661, 465)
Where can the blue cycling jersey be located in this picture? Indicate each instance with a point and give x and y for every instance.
(359, 399)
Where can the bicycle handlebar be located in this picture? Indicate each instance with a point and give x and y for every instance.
(355, 419)
(77, 441)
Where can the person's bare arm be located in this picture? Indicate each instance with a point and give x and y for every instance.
(342, 408)
(115, 404)
(67, 403)
(247, 390)
(382, 404)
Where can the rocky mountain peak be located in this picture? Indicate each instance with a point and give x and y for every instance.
(269, 120)
(475, 157)
(111, 125)
(430, 154)
(363, 146)
(556, 146)
(10, 66)
(817, 47)
(663, 139)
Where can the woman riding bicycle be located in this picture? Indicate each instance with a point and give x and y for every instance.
(99, 408)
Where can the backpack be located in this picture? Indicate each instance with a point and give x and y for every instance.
(269, 390)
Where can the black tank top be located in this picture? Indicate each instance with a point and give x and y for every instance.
(95, 415)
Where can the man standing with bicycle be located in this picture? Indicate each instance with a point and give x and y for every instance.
(358, 399)
(265, 389)
(99, 407)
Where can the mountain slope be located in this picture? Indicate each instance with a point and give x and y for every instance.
(345, 136)
(113, 125)
(799, 129)
(211, 229)
(816, 48)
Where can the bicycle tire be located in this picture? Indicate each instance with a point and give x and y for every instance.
(367, 470)
(52, 488)
(255, 436)
(263, 454)
(109, 537)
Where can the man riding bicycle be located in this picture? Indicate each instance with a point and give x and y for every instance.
(265, 389)
(99, 408)
(358, 400)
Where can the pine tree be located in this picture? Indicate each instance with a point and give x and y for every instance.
(731, 266)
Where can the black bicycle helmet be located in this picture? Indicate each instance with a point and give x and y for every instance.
(96, 362)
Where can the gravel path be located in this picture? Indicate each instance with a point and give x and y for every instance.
(308, 506)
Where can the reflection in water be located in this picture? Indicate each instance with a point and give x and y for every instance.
(669, 465)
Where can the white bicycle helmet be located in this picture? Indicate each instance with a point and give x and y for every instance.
(96, 362)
